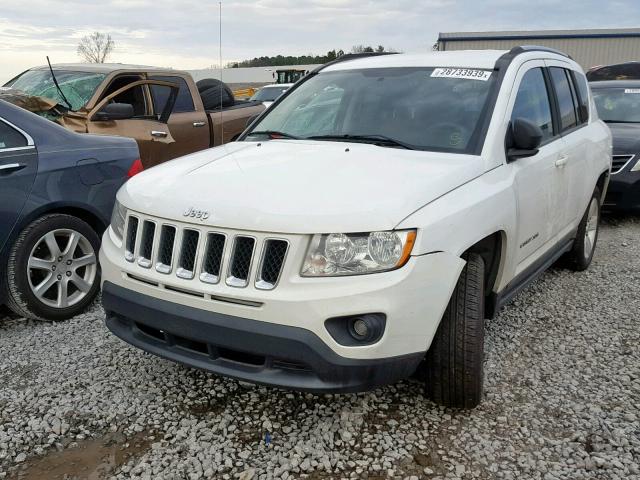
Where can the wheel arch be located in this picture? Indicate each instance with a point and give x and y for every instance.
(492, 249)
(602, 184)
(83, 212)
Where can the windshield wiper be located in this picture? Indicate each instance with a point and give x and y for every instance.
(55, 81)
(381, 140)
(274, 134)
(619, 121)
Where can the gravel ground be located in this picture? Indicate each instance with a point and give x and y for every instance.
(562, 400)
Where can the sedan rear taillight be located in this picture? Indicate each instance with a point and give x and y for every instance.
(136, 168)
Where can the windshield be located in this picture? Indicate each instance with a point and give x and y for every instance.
(618, 105)
(437, 109)
(78, 87)
(269, 94)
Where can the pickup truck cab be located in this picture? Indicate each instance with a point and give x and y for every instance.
(161, 109)
(365, 226)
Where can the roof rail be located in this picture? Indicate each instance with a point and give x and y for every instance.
(351, 56)
(536, 48)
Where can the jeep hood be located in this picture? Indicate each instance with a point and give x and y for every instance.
(298, 186)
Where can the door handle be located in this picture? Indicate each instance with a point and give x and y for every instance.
(562, 161)
(12, 167)
(199, 124)
(159, 134)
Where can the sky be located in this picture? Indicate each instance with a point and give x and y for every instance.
(184, 34)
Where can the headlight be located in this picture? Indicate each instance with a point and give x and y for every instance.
(117, 219)
(357, 253)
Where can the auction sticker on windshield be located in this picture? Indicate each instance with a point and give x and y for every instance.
(469, 73)
(632, 90)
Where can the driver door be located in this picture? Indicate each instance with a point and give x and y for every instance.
(150, 132)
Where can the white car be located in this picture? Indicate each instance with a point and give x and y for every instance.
(270, 93)
(365, 227)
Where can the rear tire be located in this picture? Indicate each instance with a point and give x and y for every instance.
(584, 246)
(453, 365)
(71, 274)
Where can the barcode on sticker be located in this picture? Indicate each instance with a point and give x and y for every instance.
(632, 90)
(468, 73)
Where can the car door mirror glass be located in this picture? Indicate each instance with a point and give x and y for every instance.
(524, 139)
(115, 111)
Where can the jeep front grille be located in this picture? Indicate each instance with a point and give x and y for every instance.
(213, 258)
(188, 252)
(165, 249)
(273, 255)
(132, 233)
(241, 258)
(194, 253)
(146, 244)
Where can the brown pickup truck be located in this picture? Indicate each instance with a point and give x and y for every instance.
(164, 110)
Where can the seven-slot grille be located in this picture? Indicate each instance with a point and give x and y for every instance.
(619, 161)
(187, 252)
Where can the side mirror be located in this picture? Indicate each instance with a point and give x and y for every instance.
(523, 139)
(114, 111)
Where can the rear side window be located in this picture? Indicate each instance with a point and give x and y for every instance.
(580, 81)
(532, 102)
(184, 102)
(566, 107)
(10, 137)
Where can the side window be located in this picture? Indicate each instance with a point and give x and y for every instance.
(184, 102)
(580, 81)
(10, 138)
(567, 110)
(134, 96)
(532, 102)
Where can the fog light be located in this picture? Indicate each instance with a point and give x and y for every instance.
(357, 330)
(360, 328)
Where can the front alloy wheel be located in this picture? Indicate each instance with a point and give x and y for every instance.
(62, 268)
(52, 271)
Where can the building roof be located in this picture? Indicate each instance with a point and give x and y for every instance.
(539, 34)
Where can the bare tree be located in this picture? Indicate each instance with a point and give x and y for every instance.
(95, 48)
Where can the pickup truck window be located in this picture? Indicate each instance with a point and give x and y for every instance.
(78, 87)
(424, 108)
(184, 102)
(532, 102)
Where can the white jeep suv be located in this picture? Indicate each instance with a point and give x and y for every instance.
(365, 226)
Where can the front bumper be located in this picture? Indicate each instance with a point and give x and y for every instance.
(249, 350)
(246, 332)
(623, 192)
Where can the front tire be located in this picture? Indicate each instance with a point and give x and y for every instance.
(453, 365)
(584, 246)
(52, 271)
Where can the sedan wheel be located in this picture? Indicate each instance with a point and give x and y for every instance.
(53, 272)
(62, 268)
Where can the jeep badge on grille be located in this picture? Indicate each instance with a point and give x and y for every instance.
(194, 213)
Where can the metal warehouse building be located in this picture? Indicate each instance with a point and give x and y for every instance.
(587, 47)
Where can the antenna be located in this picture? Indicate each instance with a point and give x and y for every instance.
(221, 86)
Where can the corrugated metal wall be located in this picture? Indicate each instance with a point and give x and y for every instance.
(588, 52)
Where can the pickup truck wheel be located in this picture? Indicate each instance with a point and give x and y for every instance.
(584, 246)
(52, 271)
(453, 364)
